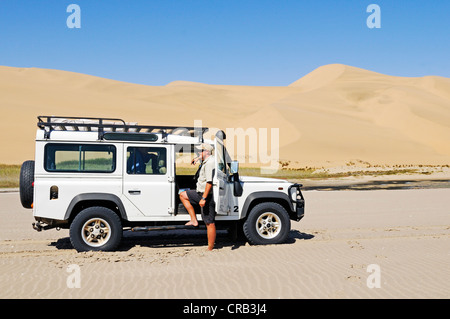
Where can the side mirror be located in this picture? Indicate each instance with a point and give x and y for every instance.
(234, 167)
(237, 187)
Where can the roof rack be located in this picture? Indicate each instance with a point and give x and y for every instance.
(112, 125)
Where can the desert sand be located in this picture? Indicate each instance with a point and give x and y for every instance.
(336, 114)
(337, 117)
(331, 253)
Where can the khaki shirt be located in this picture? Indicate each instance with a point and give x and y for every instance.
(205, 174)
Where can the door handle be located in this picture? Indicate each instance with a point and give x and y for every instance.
(134, 192)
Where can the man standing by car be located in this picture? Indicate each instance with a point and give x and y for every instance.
(202, 196)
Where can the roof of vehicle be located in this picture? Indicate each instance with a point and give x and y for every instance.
(109, 129)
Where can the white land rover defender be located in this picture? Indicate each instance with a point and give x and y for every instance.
(99, 177)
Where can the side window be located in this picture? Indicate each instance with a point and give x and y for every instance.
(80, 158)
(147, 160)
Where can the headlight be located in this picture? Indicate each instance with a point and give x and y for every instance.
(294, 194)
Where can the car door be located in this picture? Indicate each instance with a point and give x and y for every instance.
(148, 178)
(221, 187)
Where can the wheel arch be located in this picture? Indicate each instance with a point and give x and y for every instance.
(83, 201)
(267, 196)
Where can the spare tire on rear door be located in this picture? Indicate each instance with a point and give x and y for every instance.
(26, 183)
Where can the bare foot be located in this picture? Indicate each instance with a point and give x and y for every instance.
(191, 223)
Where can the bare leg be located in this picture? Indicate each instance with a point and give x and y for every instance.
(185, 200)
(211, 232)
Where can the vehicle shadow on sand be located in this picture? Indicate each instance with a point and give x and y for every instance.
(182, 238)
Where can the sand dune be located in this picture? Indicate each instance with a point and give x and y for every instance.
(331, 116)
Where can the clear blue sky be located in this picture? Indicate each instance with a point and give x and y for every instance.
(242, 42)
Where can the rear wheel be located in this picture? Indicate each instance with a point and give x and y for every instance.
(267, 223)
(96, 228)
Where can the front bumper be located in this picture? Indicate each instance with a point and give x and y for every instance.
(296, 196)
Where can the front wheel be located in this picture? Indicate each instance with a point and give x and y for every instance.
(96, 228)
(267, 223)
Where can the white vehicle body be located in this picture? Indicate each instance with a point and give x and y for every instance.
(138, 198)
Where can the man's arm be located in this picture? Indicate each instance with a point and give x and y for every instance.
(207, 189)
(205, 194)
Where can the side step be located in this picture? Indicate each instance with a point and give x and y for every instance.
(173, 227)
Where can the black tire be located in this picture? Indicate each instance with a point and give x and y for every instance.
(267, 223)
(84, 226)
(26, 181)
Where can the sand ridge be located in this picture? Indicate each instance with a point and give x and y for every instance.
(335, 114)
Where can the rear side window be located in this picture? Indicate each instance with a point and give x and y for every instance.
(86, 158)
